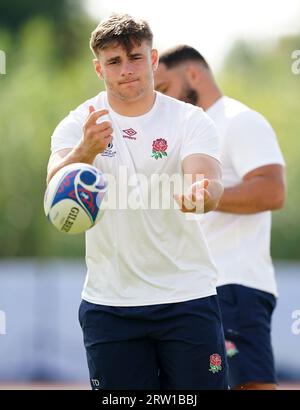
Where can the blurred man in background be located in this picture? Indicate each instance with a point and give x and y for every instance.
(239, 231)
(149, 314)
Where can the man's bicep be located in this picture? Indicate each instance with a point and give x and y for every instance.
(276, 171)
(202, 164)
(273, 174)
(251, 143)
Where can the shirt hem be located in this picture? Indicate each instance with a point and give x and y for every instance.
(249, 285)
(194, 152)
(259, 164)
(146, 303)
(55, 150)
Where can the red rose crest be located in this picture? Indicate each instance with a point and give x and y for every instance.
(231, 349)
(215, 362)
(159, 148)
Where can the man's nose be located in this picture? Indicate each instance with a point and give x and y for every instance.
(127, 68)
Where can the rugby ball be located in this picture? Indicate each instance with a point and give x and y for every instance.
(73, 198)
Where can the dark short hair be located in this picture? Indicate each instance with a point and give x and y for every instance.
(121, 29)
(181, 54)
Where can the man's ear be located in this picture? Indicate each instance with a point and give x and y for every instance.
(193, 75)
(154, 59)
(98, 69)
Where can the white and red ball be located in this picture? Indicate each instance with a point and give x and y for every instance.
(73, 198)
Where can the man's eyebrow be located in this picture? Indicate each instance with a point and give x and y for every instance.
(113, 59)
(135, 55)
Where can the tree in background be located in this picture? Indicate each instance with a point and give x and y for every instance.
(67, 16)
(15, 13)
(49, 72)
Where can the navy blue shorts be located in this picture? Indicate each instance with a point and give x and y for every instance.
(167, 346)
(246, 316)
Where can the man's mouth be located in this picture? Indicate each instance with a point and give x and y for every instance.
(129, 81)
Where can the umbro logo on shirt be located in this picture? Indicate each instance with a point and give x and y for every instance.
(129, 133)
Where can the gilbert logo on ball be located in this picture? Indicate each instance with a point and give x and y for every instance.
(73, 198)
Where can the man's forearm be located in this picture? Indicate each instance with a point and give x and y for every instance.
(255, 195)
(77, 154)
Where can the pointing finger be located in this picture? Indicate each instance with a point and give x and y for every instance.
(94, 115)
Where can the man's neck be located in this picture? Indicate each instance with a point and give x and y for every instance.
(132, 108)
(208, 95)
(209, 99)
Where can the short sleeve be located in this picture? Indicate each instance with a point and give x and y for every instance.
(200, 135)
(252, 143)
(68, 132)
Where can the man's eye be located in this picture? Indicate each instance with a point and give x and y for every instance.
(112, 62)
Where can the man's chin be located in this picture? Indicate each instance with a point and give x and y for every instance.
(131, 97)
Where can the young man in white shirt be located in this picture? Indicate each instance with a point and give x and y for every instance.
(238, 232)
(149, 310)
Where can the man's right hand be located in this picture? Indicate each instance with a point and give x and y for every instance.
(95, 140)
(96, 137)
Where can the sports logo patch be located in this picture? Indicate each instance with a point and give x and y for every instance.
(109, 152)
(159, 148)
(215, 362)
(231, 349)
(129, 133)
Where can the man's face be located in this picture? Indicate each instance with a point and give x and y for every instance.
(174, 83)
(127, 75)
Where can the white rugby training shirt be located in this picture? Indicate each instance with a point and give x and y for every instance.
(141, 256)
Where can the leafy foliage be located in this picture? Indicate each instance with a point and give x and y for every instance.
(36, 93)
